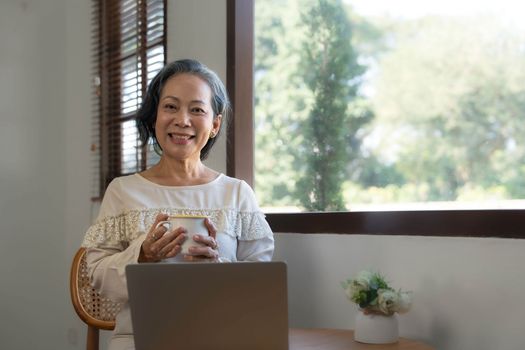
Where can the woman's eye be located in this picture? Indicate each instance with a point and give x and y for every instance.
(198, 110)
(170, 106)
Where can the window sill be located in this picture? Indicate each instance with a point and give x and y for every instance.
(442, 223)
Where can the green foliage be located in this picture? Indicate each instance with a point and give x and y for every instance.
(449, 91)
(444, 121)
(330, 71)
(372, 293)
(276, 119)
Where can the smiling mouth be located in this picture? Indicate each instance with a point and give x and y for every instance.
(178, 138)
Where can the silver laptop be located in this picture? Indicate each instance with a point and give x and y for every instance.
(200, 306)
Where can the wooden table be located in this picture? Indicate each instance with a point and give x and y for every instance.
(340, 339)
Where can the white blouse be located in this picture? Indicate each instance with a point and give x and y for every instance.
(128, 211)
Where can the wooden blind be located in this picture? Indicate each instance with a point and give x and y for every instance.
(130, 40)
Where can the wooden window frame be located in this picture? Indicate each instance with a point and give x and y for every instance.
(448, 223)
(107, 37)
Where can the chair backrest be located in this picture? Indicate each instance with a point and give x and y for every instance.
(97, 312)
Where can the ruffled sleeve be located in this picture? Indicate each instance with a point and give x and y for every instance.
(130, 224)
(252, 225)
(251, 222)
(255, 236)
(116, 229)
(113, 242)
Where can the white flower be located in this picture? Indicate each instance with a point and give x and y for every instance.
(373, 294)
(356, 287)
(404, 302)
(387, 301)
(360, 283)
(349, 293)
(364, 278)
(347, 286)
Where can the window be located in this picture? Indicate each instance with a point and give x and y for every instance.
(439, 220)
(131, 45)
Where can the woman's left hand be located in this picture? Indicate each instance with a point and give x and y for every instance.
(209, 251)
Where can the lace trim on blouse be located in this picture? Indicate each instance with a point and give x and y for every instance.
(129, 225)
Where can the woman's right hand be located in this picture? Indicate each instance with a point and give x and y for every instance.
(161, 244)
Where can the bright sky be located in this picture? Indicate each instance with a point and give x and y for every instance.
(511, 10)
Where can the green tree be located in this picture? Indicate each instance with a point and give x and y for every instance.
(277, 87)
(331, 73)
(449, 106)
(444, 120)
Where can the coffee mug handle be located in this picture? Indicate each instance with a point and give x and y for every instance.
(166, 224)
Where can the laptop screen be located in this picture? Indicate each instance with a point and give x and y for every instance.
(188, 306)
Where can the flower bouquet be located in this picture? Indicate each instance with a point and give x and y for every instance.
(378, 302)
(373, 294)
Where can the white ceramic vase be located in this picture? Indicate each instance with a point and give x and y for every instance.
(376, 328)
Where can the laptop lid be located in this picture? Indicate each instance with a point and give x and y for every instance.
(199, 306)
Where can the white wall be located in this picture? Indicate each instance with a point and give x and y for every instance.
(78, 116)
(44, 134)
(467, 291)
(33, 291)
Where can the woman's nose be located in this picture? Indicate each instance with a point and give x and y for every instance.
(181, 119)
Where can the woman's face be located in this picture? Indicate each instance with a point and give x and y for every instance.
(185, 117)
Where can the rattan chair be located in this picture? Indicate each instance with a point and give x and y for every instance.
(96, 312)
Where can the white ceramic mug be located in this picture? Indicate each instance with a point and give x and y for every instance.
(194, 225)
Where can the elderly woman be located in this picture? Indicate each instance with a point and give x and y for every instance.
(182, 113)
